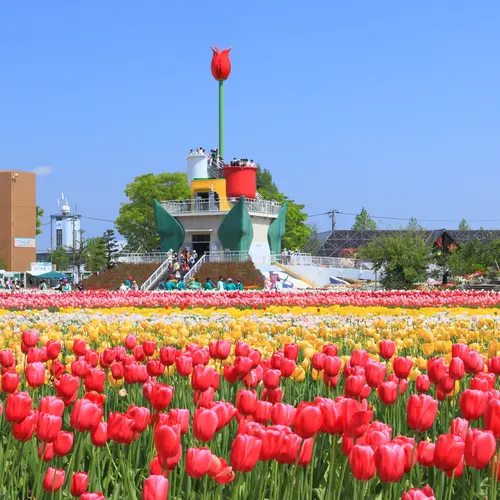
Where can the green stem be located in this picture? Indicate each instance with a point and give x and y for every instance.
(221, 118)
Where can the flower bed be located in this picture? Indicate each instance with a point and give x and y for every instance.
(249, 299)
(354, 403)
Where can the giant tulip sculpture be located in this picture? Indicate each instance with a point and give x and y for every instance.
(221, 68)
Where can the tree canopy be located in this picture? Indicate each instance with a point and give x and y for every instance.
(464, 225)
(136, 221)
(402, 259)
(60, 259)
(39, 215)
(297, 232)
(363, 221)
(95, 254)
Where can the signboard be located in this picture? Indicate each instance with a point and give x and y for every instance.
(40, 267)
(59, 224)
(25, 242)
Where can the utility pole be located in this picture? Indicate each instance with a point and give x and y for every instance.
(331, 214)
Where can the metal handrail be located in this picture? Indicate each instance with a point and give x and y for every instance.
(140, 258)
(156, 276)
(195, 268)
(210, 206)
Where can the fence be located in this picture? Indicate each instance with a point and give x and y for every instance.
(209, 206)
(142, 258)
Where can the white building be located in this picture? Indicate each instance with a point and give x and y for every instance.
(65, 230)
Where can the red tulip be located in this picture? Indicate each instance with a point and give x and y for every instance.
(282, 414)
(221, 65)
(291, 351)
(355, 417)
(262, 412)
(117, 370)
(359, 357)
(79, 368)
(494, 365)
(10, 382)
(155, 488)
(220, 472)
(140, 416)
(63, 443)
(92, 357)
(53, 479)
(17, 407)
(473, 404)
(416, 494)
(79, 484)
(52, 405)
(457, 369)
(246, 401)
(79, 347)
(29, 338)
(200, 356)
(459, 427)
(245, 452)
(436, 370)
(448, 452)
(219, 349)
(53, 349)
(167, 440)
(198, 462)
(387, 348)
(168, 355)
(66, 386)
(423, 383)
(24, 430)
(390, 462)
(139, 354)
(161, 466)
(35, 374)
(375, 373)
(184, 365)
(92, 496)
(308, 420)
(420, 412)
(120, 428)
(492, 417)
(130, 342)
(411, 452)
(7, 358)
(425, 453)
(318, 361)
(474, 363)
(402, 367)
(149, 347)
(204, 377)
(362, 462)
(204, 424)
(161, 396)
(272, 395)
(388, 392)
(155, 368)
(480, 446)
(85, 415)
(459, 351)
(46, 452)
(99, 434)
(272, 379)
(203, 399)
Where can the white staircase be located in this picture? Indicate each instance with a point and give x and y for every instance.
(156, 277)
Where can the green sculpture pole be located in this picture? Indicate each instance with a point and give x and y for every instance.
(221, 118)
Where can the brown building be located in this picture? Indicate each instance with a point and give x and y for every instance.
(17, 219)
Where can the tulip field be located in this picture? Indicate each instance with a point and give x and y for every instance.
(250, 396)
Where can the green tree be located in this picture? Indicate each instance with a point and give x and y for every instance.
(39, 215)
(136, 221)
(363, 221)
(60, 259)
(314, 243)
(464, 225)
(402, 260)
(95, 255)
(471, 256)
(111, 248)
(414, 225)
(297, 232)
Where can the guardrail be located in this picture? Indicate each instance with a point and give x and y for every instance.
(142, 258)
(198, 206)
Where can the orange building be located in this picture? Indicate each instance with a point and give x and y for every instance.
(17, 219)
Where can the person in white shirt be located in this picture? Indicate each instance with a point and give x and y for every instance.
(123, 287)
(221, 286)
(278, 286)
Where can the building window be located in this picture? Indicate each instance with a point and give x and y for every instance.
(59, 243)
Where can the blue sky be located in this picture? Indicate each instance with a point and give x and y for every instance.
(389, 105)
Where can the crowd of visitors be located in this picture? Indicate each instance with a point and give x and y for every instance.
(222, 285)
(11, 284)
(242, 162)
(288, 256)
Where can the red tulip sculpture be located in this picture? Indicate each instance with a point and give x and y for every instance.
(221, 68)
